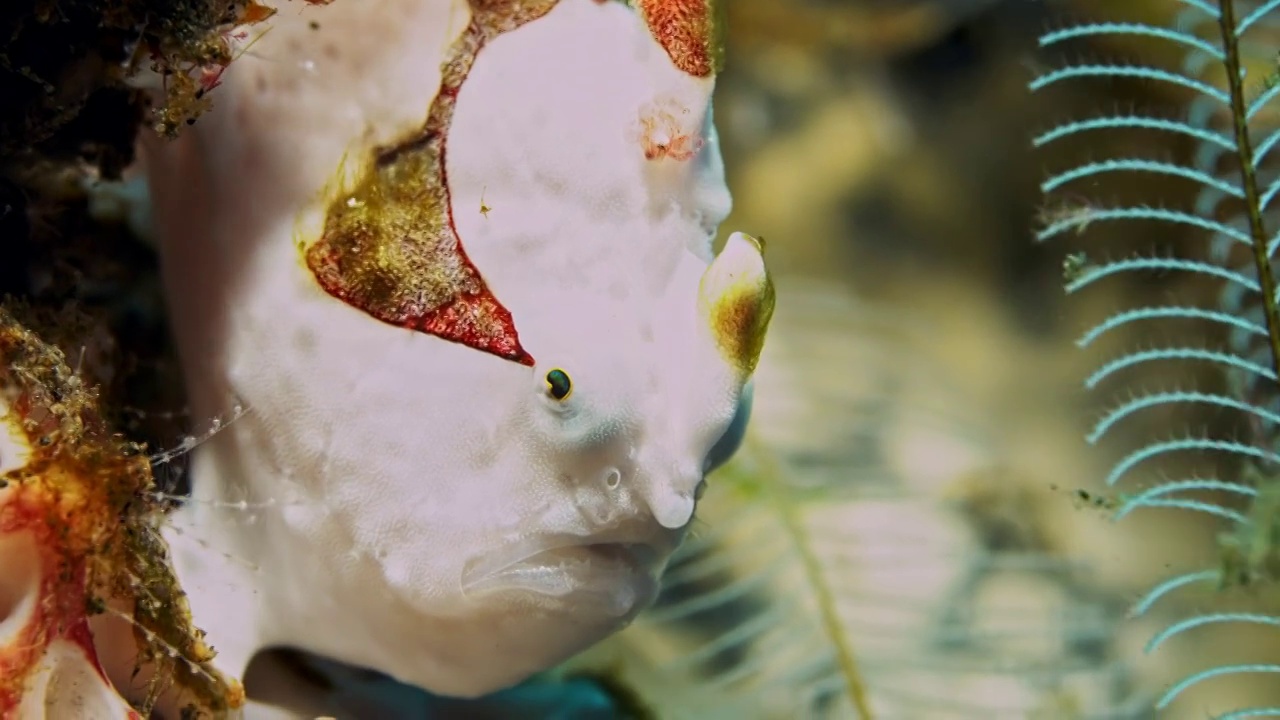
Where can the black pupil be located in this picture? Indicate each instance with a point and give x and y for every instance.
(558, 384)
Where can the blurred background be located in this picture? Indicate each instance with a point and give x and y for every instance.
(916, 524)
(923, 370)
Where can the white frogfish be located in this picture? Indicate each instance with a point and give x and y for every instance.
(453, 258)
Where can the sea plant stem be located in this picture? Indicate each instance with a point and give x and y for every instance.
(785, 504)
(1248, 177)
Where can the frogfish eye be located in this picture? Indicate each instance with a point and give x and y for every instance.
(558, 385)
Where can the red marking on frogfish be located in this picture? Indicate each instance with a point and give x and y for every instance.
(390, 247)
(688, 30)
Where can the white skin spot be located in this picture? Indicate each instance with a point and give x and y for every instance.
(448, 522)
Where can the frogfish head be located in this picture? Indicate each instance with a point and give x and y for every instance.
(489, 392)
(622, 418)
(589, 207)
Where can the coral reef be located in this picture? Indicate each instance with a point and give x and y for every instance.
(78, 513)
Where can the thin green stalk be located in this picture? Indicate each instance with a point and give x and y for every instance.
(1248, 178)
(855, 688)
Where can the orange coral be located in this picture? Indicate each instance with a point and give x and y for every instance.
(84, 498)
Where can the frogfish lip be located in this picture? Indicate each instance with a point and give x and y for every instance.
(612, 578)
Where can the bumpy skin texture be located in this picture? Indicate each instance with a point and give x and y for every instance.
(428, 506)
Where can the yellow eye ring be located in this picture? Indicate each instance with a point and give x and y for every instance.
(559, 387)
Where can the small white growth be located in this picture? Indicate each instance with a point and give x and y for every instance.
(191, 442)
(238, 505)
(155, 641)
